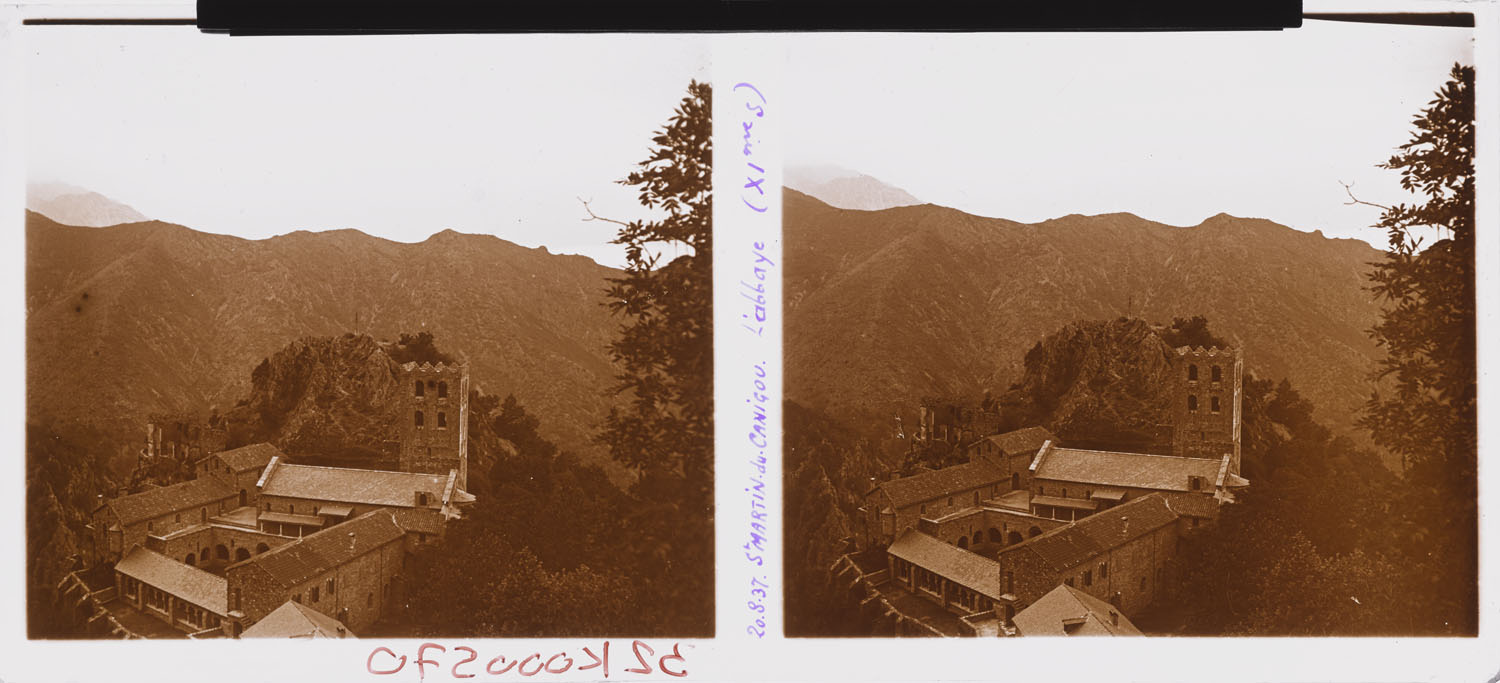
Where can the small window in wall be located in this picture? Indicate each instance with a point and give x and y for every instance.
(1217, 374)
(330, 586)
(1068, 581)
(149, 527)
(1088, 577)
(976, 497)
(418, 419)
(1065, 493)
(177, 517)
(1103, 570)
(1213, 404)
(923, 509)
(1192, 404)
(443, 417)
(442, 390)
(1192, 373)
(297, 597)
(268, 507)
(950, 501)
(420, 389)
(314, 597)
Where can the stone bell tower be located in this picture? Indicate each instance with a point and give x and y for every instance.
(435, 431)
(1206, 403)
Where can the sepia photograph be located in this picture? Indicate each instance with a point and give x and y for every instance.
(383, 337)
(1164, 334)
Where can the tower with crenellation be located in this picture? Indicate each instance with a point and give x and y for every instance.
(435, 431)
(1206, 414)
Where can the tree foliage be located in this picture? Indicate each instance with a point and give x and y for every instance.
(664, 356)
(1427, 412)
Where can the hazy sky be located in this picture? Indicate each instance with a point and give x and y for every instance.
(1171, 127)
(398, 136)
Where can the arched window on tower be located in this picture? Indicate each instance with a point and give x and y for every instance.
(1213, 404)
(419, 419)
(1192, 407)
(443, 418)
(421, 390)
(1217, 374)
(442, 390)
(1192, 375)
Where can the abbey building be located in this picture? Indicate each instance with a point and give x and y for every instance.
(970, 549)
(255, 545)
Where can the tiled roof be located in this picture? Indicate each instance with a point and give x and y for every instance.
(296, 620)
(252, 457)
(165, 500)
(348, 485)
(1071, 545)
(1089, 615)
(938, 483)
(1195, 506)
(185, 582)
(967, 569)
(1113, 527)
(1132, 470)
(1021, 441)
(1061, 548)
(418, 520)
(294, 563)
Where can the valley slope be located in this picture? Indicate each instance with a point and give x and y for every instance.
(886, 307)
(153, 318)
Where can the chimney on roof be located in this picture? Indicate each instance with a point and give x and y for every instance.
(1126, 520)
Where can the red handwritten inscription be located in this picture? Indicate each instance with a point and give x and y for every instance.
(383, 661)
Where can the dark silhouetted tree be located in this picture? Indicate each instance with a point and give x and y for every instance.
(664, 356)
(1425, 409)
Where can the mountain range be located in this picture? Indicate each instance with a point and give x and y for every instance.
(76, 206)
(887, 307)
(148, 318)
(846, 189)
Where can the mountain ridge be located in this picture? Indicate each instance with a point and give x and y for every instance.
(153, 317)
(886, 307)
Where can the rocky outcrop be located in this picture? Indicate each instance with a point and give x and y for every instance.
(1096, 383)
(329, 400)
